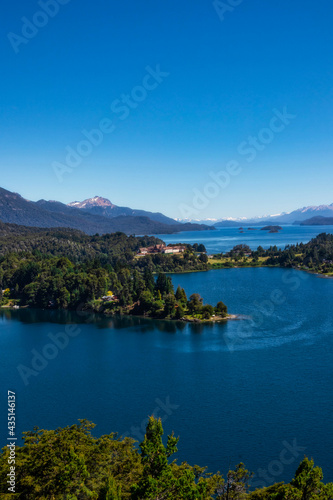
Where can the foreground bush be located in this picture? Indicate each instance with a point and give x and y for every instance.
(71, 464)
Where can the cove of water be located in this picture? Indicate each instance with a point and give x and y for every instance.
(239, 391)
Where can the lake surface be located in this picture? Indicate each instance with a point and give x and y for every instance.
(240, 391)
(224, 239)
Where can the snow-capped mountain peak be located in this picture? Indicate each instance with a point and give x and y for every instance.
(96, 201)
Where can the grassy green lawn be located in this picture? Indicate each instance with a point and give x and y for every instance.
(226, 261)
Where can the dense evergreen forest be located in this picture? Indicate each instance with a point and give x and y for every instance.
(71, 464)
(113, 249)
(317, 255)
(70, 270)
(67, 269)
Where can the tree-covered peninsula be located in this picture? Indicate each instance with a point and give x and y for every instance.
(71, 464)
(315, 256)
(67, 269)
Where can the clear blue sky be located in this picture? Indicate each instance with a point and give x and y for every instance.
(225, 79)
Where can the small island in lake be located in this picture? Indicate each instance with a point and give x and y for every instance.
(271, 229)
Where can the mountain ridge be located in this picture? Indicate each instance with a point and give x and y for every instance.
(90, 202)
(53, 214)
(102, 206)
(316, 221)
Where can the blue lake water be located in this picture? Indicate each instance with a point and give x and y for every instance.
(246, 390)
(224, 239)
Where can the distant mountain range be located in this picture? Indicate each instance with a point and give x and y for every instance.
(302, 214)
(99, 215)
(96, 215)
(299, 216)
(104, 207)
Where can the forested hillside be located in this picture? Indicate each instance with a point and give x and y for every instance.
(315, 256)
(63, 269)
